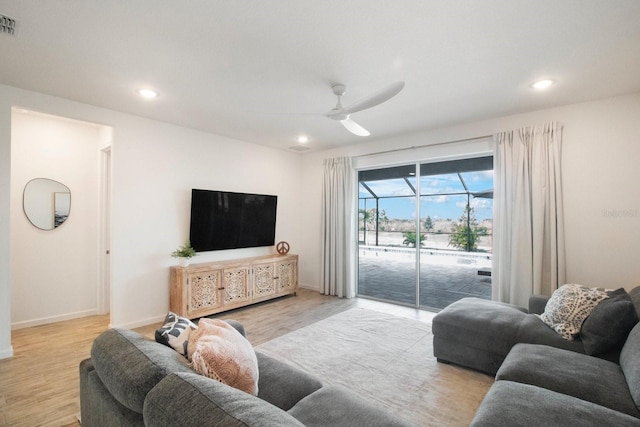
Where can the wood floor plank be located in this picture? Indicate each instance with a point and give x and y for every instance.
(39, 386)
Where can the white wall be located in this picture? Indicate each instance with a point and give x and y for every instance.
(54, 273)
(155, 165)
(601, 149)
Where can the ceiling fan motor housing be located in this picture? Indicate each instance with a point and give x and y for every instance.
(337, 114)
(339, 89)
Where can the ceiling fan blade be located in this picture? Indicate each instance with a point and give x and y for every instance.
(354, 128)
(377, 98)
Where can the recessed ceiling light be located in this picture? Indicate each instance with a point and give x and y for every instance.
(147, 93)
(303, 139)
(542, 84)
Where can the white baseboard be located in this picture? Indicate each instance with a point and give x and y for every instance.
(52, 319)
(7, 353)
(310, 287)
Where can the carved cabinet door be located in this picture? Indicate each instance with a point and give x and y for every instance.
(263, 280)
(202, 292)
(235, 285)
(286, 274)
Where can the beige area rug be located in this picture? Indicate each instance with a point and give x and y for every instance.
(387, 360)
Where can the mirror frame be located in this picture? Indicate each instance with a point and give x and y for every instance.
(60, 199)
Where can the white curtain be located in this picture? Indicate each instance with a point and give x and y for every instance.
(528, 227)
(337, 240)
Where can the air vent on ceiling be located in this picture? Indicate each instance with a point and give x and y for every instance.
(299, 148)
(7, 25)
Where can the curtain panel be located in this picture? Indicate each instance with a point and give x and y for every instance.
(337, 228)
(528, 224)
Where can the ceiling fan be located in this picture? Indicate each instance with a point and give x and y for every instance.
(343, 114)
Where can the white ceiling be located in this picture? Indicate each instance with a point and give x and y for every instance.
(246, 69)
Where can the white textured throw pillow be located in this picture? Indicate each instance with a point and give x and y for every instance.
(568, 307)
(218, 351)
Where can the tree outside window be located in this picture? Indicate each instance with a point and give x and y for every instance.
(466, 233)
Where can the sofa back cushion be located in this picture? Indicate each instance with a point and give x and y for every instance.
(635, 298)
(192, 400)
(609, 324)
(130, 364)
(629, 357)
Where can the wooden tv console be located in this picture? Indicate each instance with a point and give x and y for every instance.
(202, 289)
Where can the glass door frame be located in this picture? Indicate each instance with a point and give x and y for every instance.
(417, 165)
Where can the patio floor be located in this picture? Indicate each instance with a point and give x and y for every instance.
(440, 284)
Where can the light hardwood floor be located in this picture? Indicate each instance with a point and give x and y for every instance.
(39, 386)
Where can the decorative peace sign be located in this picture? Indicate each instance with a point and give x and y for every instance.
(282, 248)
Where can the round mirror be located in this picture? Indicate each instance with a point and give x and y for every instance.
(46, 203)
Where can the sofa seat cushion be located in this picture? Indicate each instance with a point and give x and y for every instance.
(512, 404)
(281, 384)
(191, 400)
(337, 407)
(476, 333)
(578, 375)
(130, 364)
(482, 324)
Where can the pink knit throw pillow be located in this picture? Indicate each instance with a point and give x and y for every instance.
(218, 351)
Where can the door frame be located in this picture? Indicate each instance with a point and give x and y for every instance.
(104, 238)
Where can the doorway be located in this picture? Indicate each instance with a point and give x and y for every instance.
(66, 283)
(426, 242)
(104, 269)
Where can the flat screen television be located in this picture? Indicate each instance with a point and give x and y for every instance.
(226, 220)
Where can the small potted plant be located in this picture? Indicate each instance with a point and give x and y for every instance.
(184, 253)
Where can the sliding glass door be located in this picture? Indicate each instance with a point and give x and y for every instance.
(386, 226)
(456, 201)
(432, 254)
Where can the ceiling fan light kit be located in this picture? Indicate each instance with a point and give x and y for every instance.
(343, 114)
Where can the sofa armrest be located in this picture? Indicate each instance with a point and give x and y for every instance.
(281, 384)
(537, 303)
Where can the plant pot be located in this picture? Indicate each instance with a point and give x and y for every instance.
(183, 262)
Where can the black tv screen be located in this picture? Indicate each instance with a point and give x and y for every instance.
(226, 220)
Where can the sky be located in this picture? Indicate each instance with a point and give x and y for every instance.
(439, 204)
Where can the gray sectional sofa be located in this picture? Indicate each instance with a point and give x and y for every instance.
(479, 334)
(539, 385)
(541, 378)
(131, 380)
